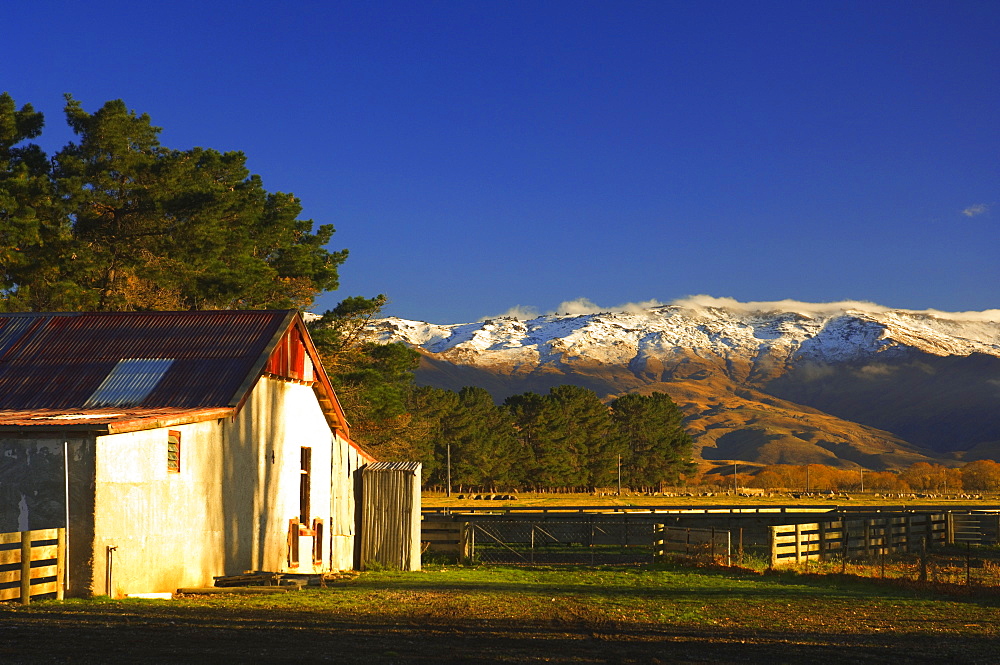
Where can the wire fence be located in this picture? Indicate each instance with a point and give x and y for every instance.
(562, 542)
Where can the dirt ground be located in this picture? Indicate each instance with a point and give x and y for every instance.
(161, 633)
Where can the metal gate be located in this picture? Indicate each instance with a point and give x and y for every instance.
(977, 527)
(585, 542)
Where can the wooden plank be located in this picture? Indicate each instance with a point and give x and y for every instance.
(10, 576)
(10, 538)
(43, 553)
(10, 557)
(44, 534)
(61, 564)
(786, 540)
(25, 569)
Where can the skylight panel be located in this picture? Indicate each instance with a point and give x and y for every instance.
(130, 382)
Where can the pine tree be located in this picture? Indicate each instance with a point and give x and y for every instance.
(657, 447)
(116, 221)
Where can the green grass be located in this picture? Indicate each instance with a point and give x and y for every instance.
(506, 614)
(659, 594)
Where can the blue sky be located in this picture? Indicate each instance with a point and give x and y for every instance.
(477, 156)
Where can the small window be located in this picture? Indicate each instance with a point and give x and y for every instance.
(174, 451)
(305, 488)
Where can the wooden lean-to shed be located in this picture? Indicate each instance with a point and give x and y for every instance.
(177, 446)
(390, 535)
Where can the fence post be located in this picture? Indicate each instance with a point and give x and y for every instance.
(822, 541)
(949, 520)
(798, 544)
(61, 564)
(591, 540)
(25, 567)
(774, 546)
(923, 559)
(845, 544)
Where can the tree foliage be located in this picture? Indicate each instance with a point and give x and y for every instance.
(373, 381)
(657, 447)
(116, 221)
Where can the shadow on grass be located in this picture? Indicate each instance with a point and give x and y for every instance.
(677, 582)
(193, 635)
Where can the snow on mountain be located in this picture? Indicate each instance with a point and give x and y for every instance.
(782, 382)
(782, 331)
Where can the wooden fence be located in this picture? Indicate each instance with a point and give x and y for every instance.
(32, 563)
(448, 538)
(708, 543)
(858, 537)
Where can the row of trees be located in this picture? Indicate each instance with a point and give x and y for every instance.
(116, 221)
(567, 438)
(977, 476)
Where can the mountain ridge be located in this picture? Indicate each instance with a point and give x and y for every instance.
(759, 382)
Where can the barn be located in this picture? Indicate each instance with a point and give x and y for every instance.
(176, 446)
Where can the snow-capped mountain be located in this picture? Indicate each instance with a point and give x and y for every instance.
(822, 333)
(931, 379)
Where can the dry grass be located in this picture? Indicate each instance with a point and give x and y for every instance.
(717, 498)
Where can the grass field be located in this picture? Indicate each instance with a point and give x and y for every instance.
(450, 614)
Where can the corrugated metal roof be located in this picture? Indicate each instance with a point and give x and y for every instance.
(59, 361)
(411, 467)
(149, 368)
(111, 421)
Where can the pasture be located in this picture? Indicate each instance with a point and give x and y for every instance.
(453, 614)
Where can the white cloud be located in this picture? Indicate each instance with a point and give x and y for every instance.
(798, 307)
(977, 209)
(578, 307)
(824, 309)
(519, 312)
(587, 306)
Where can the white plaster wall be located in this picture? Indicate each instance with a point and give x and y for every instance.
(167, 527)
(228, 510)
(278, 419)
(345, 477)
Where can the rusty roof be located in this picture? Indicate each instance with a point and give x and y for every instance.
(63, 361)
(106, 421)
(113, 372)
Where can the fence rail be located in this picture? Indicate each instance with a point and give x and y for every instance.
(448, 538)
(691, 509)
(846, 538)
(32, 563)
(580, 542)
(700, 543)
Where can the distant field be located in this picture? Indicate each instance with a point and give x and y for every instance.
(527, 500)
(451, 614)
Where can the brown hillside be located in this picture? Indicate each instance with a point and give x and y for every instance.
(727, 421)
